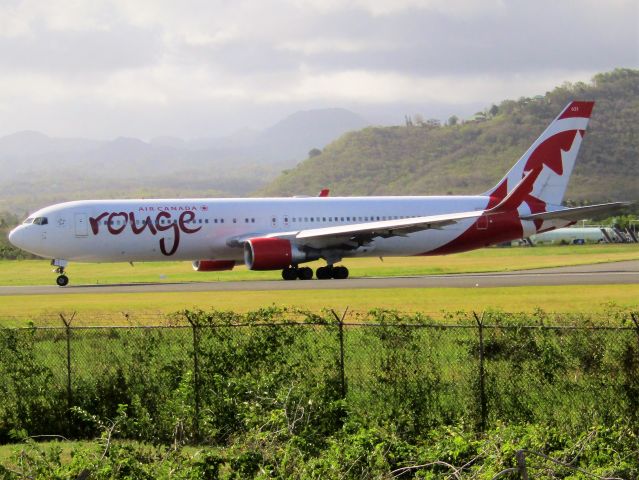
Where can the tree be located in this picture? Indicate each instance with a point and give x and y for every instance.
(314, 152)
(453, 120)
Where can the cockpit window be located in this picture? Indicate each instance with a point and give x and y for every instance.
(41, 221)
(28, 220)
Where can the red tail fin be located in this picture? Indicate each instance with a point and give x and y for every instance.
(554, 152)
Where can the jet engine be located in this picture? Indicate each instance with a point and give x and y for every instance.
(273, 254)
(213, 265)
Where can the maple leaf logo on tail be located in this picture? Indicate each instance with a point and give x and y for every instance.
(552, 156)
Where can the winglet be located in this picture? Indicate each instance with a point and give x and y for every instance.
(324, 192)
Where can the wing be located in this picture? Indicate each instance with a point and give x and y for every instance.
(362, 233)
(578, 213)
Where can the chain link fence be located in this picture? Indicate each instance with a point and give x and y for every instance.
(218, 374)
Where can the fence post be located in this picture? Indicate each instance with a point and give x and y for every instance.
(67, 329)
(521, 465)
(635, 320)
(196, 374)
(482, 388)
(342, 369)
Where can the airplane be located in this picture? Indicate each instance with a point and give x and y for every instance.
(284, 233)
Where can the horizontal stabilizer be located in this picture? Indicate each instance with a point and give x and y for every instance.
(578, 213)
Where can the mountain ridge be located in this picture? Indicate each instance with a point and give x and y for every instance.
(40, 170)
(470, 158)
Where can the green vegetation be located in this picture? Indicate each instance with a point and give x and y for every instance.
(470, 158)
(353, 453)
(38, 272)
(258, 397)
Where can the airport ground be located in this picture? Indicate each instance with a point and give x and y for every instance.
(567, 279)
(38, 272)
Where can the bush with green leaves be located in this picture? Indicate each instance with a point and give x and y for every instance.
(277, 377)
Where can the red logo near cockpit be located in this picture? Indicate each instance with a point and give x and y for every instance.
(117, 222)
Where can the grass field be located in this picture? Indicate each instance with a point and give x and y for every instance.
(38, 272)
(150, 308)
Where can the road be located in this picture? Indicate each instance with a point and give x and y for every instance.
(606, 273)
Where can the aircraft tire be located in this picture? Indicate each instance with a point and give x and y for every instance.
(324, 273)
(289, 273)
(304, 273)
(340, 273)
(62, 280)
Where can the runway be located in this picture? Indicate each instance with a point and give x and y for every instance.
(616, 273)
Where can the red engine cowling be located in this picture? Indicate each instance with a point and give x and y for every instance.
(269, 254)
(213, 265)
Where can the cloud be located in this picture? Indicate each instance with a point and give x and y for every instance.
(115, 67)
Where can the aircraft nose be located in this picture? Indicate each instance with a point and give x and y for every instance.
(16, 237)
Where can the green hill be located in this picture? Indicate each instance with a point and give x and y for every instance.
(471, 157)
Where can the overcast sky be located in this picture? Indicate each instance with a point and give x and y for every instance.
(195, 68)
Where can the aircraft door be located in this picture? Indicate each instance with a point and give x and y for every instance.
(81, 225)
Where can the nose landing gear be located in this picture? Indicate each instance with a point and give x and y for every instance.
(62, 280)
(60, 265)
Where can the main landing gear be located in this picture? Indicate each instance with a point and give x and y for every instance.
(322, 273)
(62, 279)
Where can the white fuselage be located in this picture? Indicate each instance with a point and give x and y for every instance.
(190, 229)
